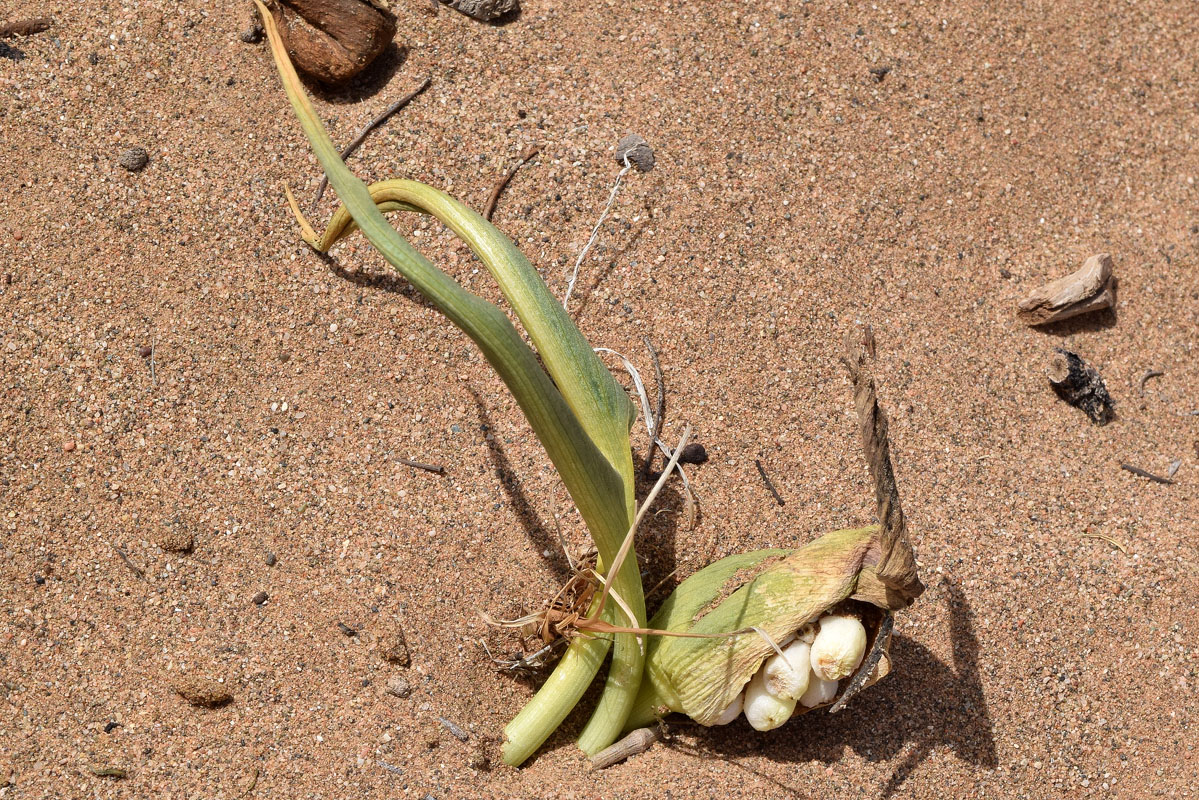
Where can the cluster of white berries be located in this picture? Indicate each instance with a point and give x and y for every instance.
(806, 672)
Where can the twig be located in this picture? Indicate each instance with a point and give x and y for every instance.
(1107, 539)
(766, 479)
(489, 209)
(418, 465)
(1145, 474)
(636, 742)
(454, 730)
(389, 767)
(129, 562)
(153, 375)
(1150, 373)
(570, 287)
(661, 415)
(370, 126)
(25, 27)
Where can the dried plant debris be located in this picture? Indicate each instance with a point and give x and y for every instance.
(1080, 385)
(25, 27)
(484, 10)
(637, 741)
(1091, 288)
(333, 40)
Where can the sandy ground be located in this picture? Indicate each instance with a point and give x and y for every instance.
(177, 365)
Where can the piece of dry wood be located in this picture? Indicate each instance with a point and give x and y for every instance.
(637, 741)
(332, 40)
(1091, 288)
(1080, 385)
(24, 27)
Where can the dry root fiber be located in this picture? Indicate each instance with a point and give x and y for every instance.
(333, 40)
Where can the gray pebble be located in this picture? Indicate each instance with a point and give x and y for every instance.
(484, 10)
(638, 150)
(260, 598)
(270, 559)
(398, 686)
(134, 159)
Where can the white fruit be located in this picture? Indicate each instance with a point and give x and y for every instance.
(787, 675)
(838, 648)
(764, 711)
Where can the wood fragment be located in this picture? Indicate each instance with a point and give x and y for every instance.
(454, 730)
(25, 27)
(637, 741)
(1174, 466)
(119, 773)
(357, 141)
(253, 783)
(1146, 474)
(489, 209)
(766, 479)
(418, 465)
(1107, 539)
(1091, 288)
(1080, 385)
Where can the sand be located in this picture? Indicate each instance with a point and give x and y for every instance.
(178, 368)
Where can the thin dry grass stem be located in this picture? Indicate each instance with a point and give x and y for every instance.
(653, 423)
(627, 544)
(1107, 539)
(570, 287)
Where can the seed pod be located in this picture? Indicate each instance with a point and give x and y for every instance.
(838, 647)
(776, 591)
(787, 674)
(763, 710)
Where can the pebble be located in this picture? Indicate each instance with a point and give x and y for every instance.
(346, 629)
(68, 447)
(146, 351)
(202, 691)
(484, 10)
(398, 686)
(270, 559)
(694, 453)
(134, 159)
(260, 598)
(638, 150)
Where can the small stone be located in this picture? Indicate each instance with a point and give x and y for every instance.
(484, 10)
(878, 73)
(39, 580)
(68, 447)
(145, 351)
(134, 159)
(694, 453)
(111, 726)
(93, 58)
(638, 151)
(393, 647)
(260, 598)
(346, 629)
(398, 686)
(176, 537)
(203, 692)
(270, 559)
